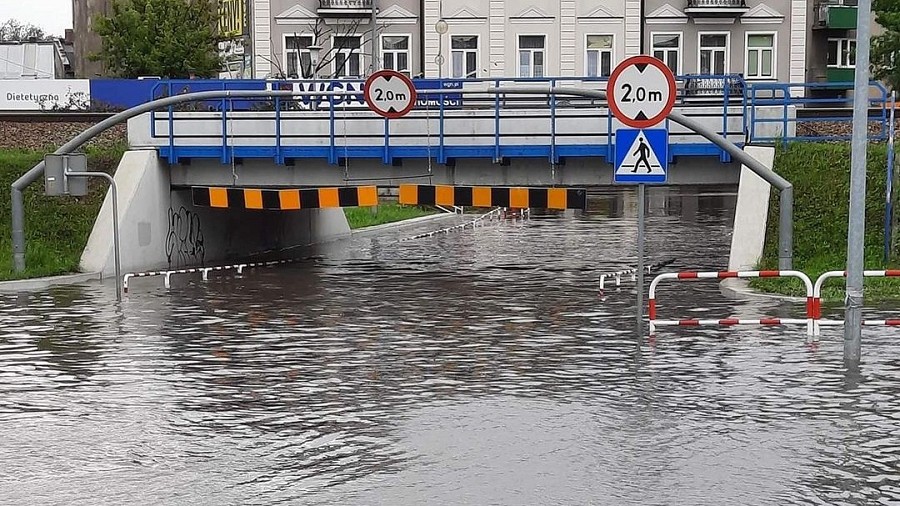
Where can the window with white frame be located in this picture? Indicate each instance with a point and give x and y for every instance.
(598, 59)
(531, 55)
(713, 53)
(667, 48)
(760, 56)
(297, 56)
(347, 55)
(464, 56)
(395, 53)
(841, 53)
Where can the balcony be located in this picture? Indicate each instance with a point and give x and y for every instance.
(699, 86)
(835, 15)
(345, 8)
(716, 8)
(839, 75)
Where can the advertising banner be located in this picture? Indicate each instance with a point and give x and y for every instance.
(45, 94)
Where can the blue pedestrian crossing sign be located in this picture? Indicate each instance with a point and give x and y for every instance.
(642, 155)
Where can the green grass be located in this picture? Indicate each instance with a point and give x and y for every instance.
(361, 217)
(820, 174)
(56, 228)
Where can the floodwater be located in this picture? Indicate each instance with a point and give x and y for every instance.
(474, 367)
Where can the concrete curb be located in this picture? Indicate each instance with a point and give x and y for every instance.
(736, 288)
(42, 283)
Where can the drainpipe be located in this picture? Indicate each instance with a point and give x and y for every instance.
(422, 37)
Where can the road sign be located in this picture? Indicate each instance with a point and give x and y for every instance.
(641, 91)
(642, 156)
(390, 94)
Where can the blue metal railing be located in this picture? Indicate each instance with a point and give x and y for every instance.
(738, 99)
(812, 109)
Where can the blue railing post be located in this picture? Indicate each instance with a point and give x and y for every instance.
(224, 156)
(553, 158)
(279, 159)
(441, 157)
(723, 156)
(332, 152)
(497, 123)
(172, 157)
(610, 155)
(386, 156)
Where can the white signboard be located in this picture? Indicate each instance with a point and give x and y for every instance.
(44, 94)
(641, 91)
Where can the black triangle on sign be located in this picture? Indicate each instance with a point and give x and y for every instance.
(641, 66)
(389, 77)
(641, 116)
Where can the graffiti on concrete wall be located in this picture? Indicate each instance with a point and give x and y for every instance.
(184, 240)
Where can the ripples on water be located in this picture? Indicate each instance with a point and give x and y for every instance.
(479, 367)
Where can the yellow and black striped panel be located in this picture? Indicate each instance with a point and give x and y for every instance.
(493, 196)
(285, 199)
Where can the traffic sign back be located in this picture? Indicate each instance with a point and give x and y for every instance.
(390, 93)
(641, 91)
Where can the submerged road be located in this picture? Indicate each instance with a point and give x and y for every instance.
(478, 367)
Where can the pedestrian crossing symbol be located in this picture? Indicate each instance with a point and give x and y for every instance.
(642, 155)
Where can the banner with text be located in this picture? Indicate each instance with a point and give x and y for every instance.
(45, 94)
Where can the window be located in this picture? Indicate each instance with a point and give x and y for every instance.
(347, 50)
(297, 56)
(395, 52)
(599, 55)
(531, 56)
(667, 48)
(842, 53)
(464, 56)
(713, 53)
(761, 56)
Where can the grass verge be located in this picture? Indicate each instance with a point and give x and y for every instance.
(820, 174)
(56, 228)
(361, 217)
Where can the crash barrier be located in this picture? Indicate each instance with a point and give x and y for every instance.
(808, 321)
(204, 271)
(816, 309)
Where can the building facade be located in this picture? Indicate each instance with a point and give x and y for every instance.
(85, 41)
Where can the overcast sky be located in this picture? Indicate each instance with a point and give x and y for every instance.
(54, 16)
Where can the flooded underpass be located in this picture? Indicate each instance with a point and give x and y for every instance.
(480, 366)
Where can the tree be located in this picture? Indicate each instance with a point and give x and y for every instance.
(886, 47)
(166, 38)
(12, 31)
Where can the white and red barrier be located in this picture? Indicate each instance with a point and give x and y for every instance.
(204, 271)
(681, 276)
(817, 300)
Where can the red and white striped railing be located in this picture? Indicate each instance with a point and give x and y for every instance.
(817, 300)
(204, 271)
(808, 321)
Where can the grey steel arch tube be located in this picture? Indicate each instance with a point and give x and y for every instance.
(786, 189)
(18, 203)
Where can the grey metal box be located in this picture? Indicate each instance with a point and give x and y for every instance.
(59, 175)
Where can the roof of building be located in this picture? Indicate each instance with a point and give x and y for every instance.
(28, 60)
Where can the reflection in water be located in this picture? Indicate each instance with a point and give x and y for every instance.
(479, 367)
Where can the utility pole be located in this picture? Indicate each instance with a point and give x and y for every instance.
(857, 220)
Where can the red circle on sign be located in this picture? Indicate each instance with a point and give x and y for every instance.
(614, 106)
(388, 75)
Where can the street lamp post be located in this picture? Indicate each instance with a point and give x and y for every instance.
(441, 28)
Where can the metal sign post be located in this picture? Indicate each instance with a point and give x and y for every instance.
(857, 220)
(67, 175)
(641, 93)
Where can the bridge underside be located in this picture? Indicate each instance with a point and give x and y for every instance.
(261, 173)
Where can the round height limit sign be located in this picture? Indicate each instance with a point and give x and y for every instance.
(641, 91)
(390, 94)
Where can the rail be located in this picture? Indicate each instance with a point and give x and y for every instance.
(813, 124)
(204, 271)
(681, 276)
(460, 119)
(817, 299)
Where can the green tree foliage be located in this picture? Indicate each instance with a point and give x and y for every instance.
(166, 38)
(14, 31)
(886, 47)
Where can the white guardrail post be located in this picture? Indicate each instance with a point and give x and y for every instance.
(808, 321)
